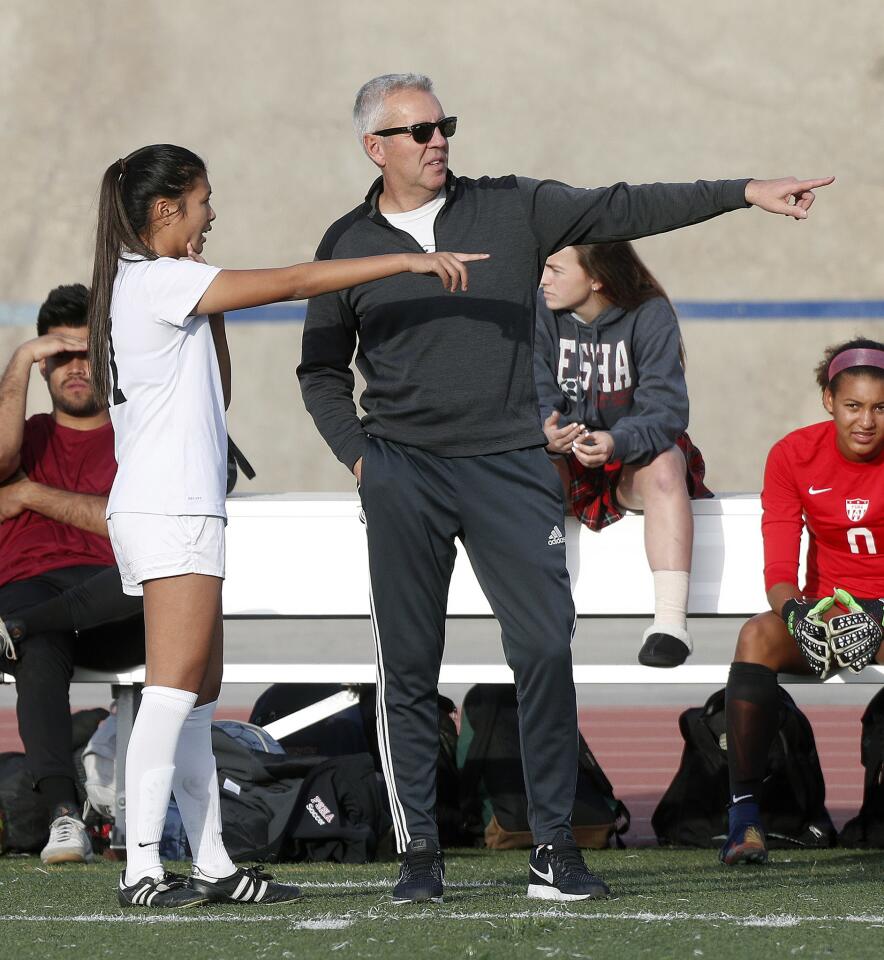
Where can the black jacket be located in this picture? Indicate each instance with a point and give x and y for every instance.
(453, 373)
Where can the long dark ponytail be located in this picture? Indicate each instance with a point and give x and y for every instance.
(128, 190)
(626, 280)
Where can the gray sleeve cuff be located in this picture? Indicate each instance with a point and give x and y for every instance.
(352, 450)
(733, 194)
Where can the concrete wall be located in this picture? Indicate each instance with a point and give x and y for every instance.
(589, 92)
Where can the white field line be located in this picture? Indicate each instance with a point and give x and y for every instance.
(317, 923)
(332, 922)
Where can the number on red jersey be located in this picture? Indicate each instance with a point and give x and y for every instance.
(853, 538)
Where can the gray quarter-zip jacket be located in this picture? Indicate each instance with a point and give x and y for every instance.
(621, 373)
(453, 373)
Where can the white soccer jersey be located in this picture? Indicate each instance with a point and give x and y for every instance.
(167, 403)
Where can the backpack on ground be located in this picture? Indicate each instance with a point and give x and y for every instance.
(25, 827)
(866, 829)
(258, 792)
(494, 804)
(338, 735)
(266, 812)
(693, 811)
(174, 844)
(99, 761)
(341, 813)
(278, 807)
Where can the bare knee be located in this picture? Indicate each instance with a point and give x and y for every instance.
(660, 480)
(765, 640)
(666, 474)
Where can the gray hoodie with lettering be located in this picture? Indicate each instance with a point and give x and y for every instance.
(621, 373)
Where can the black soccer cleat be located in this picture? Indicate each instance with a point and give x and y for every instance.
(745, 844)
(171, 891)
(663, 650)
(247, 885)
(421, 873)
(556, 871)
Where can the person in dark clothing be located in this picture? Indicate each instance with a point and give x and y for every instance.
(451, 445)
(609, 368)
(57, 571)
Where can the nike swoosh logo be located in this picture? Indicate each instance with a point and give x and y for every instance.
(738, 799)
(813, 492)
(543, 876)
(152, 842)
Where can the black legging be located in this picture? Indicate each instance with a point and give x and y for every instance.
(75, 616)
(95, 598)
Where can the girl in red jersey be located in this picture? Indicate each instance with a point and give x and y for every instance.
(827, 478)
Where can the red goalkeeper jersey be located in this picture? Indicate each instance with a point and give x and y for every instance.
(808, 482)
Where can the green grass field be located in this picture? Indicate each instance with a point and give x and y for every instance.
(667, 903)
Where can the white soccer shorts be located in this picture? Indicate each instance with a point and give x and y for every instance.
(148, 546)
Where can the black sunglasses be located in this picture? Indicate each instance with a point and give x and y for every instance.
(423, 132)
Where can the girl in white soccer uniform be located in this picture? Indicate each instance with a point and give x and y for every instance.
(159, 353)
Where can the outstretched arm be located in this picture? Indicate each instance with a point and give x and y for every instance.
(236, 289)
(83, 510)
(561, 215)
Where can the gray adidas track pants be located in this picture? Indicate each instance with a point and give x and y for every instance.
(507, 509)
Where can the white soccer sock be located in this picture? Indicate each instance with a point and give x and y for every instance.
(195, 786)
(671, 604)
(149, 767)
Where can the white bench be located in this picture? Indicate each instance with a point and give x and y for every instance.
(304, 556)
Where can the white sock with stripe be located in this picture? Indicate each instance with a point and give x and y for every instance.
(149, 767)
(195, 786)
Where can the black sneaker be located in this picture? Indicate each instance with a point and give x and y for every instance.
(171, 891)
(556, 871)
(745, 844)
(421, 873)
(663, 650)
(247, 885)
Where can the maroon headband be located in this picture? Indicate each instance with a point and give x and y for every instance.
(855, 358)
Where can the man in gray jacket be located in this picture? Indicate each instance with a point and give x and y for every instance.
(450, 445)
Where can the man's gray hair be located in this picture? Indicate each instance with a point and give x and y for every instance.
(368, 110)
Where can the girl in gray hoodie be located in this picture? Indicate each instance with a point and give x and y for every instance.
(609, 369)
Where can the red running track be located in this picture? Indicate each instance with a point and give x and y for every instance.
(639, 749)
